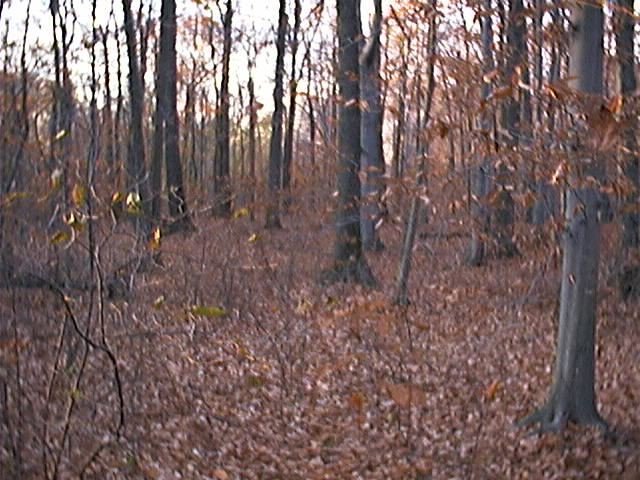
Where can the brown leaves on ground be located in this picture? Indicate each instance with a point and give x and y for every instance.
(236, 364)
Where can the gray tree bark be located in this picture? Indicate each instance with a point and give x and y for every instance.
(504, 206)
(275, 146)
(626, 61)
(572, 396)
(291, 117)
(177, 196)
(137, 181)
(372, 156)
(350, 263)
(401, 296)
(222, 160)
(480, 173)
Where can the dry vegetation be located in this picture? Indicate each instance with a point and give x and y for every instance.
(272, 376)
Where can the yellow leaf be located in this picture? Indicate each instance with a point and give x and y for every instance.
(60, 135)
(56, 179)
(75, 221)
(158, 302)
(156, 239)
(243, 212)
(208, 312)
(220, 474)
(116, 198)
(79, 194)
(254, 238)
(12, 197)
(59, 237)
(133, 203)
(492, 390)
(254, 381)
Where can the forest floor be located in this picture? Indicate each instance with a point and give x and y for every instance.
(236, 364)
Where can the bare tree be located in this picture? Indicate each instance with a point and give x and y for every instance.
(625, 49)
(167, 127)
(137, 181)
(401, 294)
(480, 174)
(275, 146)
(572, 397)
(350, 263)
(222, 160)
(293, 90)
(372, 157)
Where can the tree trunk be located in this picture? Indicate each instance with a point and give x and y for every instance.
(626, 60)
(137, 182)
(401, 296)
(572, 396)
(221, 186)
(372, 156)
(350, 263)
(291, 118)
(275, 146)
(504, 211)
(175, 185)
(480, 173)
(253, 120)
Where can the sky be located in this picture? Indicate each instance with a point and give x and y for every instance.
(261, 14)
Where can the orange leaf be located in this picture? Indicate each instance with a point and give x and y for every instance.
(357, 401)
(614, 105)
(220, 474)
(405, 395)
(492, 390)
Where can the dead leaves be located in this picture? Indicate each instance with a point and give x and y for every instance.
(405, 395)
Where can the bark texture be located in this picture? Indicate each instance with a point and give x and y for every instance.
(350, 263)
(137, 181)
(372, 158)
(275, 146)
(572, 397)
(480, 173)
(626, 60)
(222, 160)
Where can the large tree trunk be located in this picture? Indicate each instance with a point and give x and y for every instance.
(572, 396)
(504, 214)
(626, 59)
(401, 296)
(371, 130)
(137, 182)
(350, 263)
(480, 174)
(275, 146)
(221, 181)
(291, 118)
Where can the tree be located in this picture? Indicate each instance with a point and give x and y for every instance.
(275, 145)
(480, 174)
(167, 127)
(137, 183)
(504, 214)
(626, 62)
(291, 118)
(350, 263)
(401, 296)
(222, 159)
(372, 156)
(572, 396)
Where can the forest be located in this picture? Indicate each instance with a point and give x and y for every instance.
(309, 239)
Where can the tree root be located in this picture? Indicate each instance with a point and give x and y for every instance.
(356, 271)
(550, 420)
